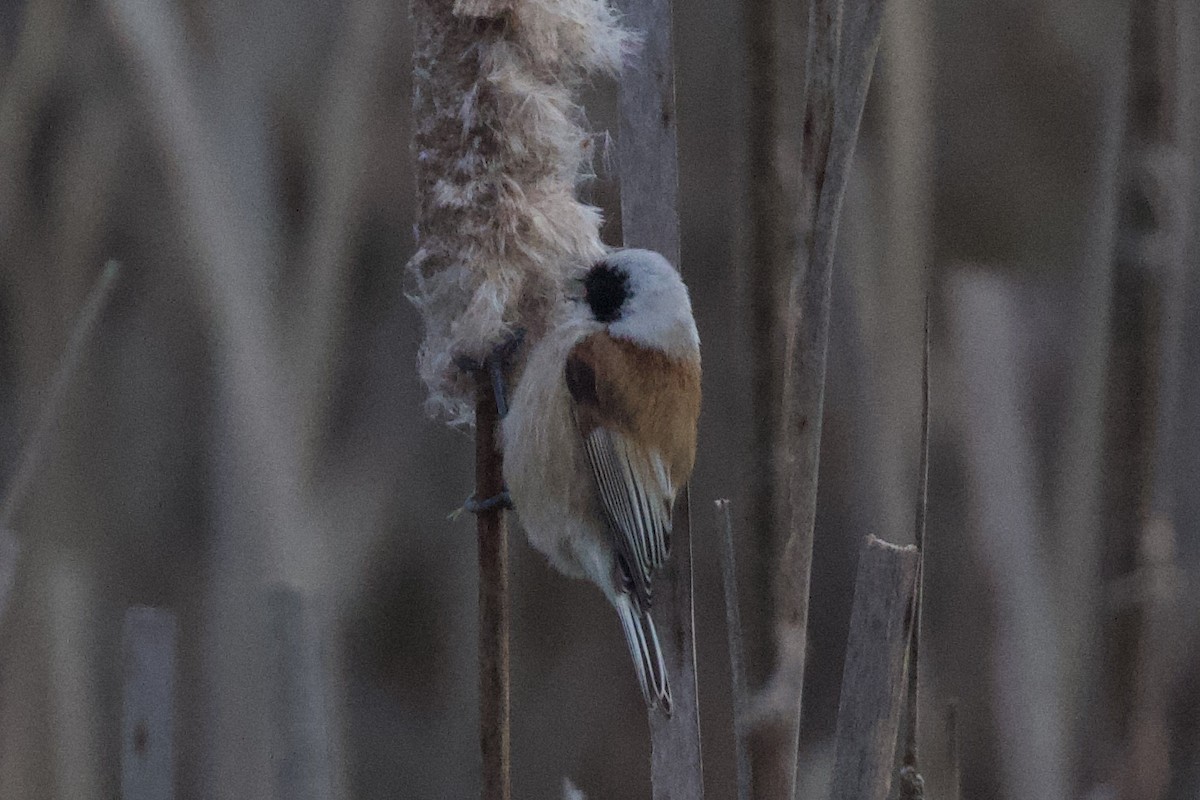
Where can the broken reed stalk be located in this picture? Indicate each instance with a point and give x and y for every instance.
(737, 662)
(648, 166)
(494, 680)
(841, 56)
(912, 784)
(873, 677)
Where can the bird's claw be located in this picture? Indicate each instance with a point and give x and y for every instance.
(501, 500)
(499, 355)
(494, 365)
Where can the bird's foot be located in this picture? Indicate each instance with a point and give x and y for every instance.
(501, 500)
(494, 365)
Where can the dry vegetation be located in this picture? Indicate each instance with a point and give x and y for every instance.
(233, 430)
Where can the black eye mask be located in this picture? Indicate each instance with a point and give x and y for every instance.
(606, 289)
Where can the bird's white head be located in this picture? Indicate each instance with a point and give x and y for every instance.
(640, 297)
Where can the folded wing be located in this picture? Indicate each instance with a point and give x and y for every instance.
(633, 479)
(637, 497)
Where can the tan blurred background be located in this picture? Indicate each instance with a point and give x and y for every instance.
(247, 414)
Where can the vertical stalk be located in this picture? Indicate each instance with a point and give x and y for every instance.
(767, 285)
(869, 710)
(494, 681)
(952, 752)
(912, 785)
(843, 42)
(737, 659)
(649, 171)
(1144, 380)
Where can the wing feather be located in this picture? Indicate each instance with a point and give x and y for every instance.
(615, 499)
(615, 391)
(637, 502)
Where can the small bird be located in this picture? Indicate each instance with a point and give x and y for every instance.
(601, 435)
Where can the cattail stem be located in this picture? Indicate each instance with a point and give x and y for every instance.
(494, 680)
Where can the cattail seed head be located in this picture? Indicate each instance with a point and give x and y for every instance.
(501, 145)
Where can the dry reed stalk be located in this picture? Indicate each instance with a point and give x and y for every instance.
(1144, 382)
(874, 673)
(901, 176)
(953, 754)
(648, 167)
(912, 784)
(1157, 150)
(776, 47)
(841, 56)
(772, 136)
(737, 662)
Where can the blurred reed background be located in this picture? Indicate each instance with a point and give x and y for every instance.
(246, 422)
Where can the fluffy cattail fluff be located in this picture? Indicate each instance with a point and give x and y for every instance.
(500, 148)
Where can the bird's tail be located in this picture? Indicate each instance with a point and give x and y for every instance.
(647, 654)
